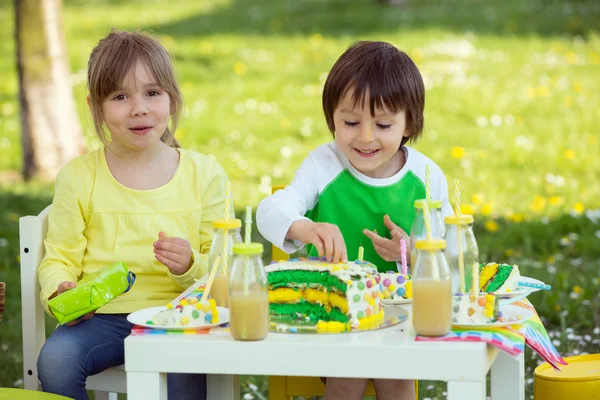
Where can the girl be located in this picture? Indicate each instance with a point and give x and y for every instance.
(139, 199)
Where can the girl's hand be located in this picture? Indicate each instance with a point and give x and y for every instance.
(63, 287)
(174, 253)
(327, 238)
(389, 249)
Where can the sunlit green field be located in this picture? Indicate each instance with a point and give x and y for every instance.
(511, 110)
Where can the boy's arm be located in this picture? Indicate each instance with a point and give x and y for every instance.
(213, 208)
(65, 242)
(276, 214)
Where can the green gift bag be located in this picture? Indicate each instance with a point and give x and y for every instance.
(92, 292)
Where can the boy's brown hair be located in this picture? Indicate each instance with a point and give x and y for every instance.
(383, 73)
(110, 62)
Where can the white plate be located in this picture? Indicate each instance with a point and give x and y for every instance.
(141, 318)
(511, 315)
(395, 302)
(522, 291)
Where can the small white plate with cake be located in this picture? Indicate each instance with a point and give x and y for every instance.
(505, 282)
(175, 318)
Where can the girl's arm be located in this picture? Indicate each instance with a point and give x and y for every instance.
(65, 243)
(276, 214)
(213, 208)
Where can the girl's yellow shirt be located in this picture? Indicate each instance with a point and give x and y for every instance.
(95, 221)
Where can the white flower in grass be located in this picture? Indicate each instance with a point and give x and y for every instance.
(18, 383)
(587, 338)
(545, 220)
(564, 241)
(248, 396)
(496, 120)
(286, 151)
(551, 269)
(598, 234)
(481, 121)
(596, 330)
(556, 342)
(574, 295)
(430, 387)
(253, 387)
(573, 236)
(251, 104)
(571, 336)
(576, 262)
(3, 242)
(4, 347)
(575, 351)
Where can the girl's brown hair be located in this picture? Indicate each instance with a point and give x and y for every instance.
(110, 62)
(383, 73)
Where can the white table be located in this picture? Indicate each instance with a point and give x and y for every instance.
(463, 365)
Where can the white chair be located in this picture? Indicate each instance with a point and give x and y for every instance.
(32, 231)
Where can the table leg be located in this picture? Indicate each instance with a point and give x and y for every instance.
(461, 390)
(508, 377)
(222, 387)
(146, 385)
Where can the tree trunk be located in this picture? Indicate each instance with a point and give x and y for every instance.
(51, 133)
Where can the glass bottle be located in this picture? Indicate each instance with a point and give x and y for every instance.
(432, 291)
(226, 235)
(248, 294)
(461, 228)
(417, 230)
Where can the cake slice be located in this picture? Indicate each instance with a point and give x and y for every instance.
(505, 280)
(468, 309)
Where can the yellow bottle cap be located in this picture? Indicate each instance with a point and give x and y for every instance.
(433, 244)
(432, 204)
(463, 219)
(248, 249)
(227, 223)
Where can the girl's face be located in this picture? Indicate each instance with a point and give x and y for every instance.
(138, 113)
(370, 143)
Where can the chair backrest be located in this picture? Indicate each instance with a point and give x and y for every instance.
(276, 253)
(32, 231)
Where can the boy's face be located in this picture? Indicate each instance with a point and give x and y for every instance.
(370, 143)
(138, 113)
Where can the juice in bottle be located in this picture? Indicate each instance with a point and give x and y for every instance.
(248, 294)
(432, 290)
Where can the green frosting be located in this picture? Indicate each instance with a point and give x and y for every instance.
(314, 311)
(500, 277)
(298, 277)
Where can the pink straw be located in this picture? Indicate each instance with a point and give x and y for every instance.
(403, 256)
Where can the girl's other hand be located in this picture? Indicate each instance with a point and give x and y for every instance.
(327, 238)
(174, 253)
(63, 287)
(389, 249)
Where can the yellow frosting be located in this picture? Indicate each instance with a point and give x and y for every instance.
(486, 274)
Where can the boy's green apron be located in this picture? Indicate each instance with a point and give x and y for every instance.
(92, 292)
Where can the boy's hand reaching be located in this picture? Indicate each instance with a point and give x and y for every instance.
(174, 253)
(389, 249)
(63, 287)
(327, 238)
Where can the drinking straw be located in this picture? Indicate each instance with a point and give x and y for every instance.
(403, 256)
(211, 278)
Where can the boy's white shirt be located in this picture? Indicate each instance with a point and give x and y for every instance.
(276, 213)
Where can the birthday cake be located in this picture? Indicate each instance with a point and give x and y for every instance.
(498, 278)
(189, 312)
(335, 297)
(395, 286)
(469, 309)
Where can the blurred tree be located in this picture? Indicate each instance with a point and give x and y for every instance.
(51, 132)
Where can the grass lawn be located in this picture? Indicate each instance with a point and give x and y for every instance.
(512, 100)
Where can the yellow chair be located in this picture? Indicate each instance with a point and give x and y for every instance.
(286, 387)
(579, 380)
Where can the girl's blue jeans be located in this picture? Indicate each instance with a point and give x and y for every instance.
(71, 354)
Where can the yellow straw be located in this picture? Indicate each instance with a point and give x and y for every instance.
(427, 184)
(435, 272)
(457, 197)
(461, 261)
(226, 238)
(211, 278)
(248, 222)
